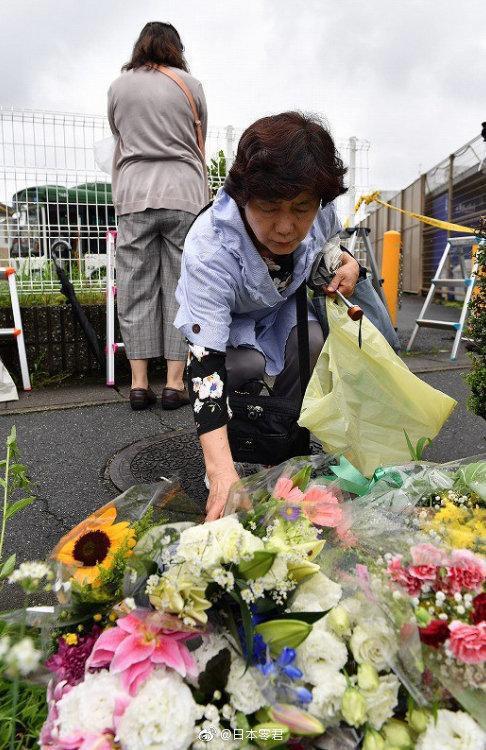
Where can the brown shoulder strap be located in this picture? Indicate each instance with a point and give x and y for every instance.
(197, 122)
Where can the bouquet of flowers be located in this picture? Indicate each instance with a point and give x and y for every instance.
(286, 625)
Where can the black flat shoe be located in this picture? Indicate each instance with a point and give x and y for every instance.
(142, 398)
(174, 399)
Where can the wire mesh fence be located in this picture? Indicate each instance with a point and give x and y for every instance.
(51, 189)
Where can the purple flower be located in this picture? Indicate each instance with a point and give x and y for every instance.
(290, 512)
(69, 662)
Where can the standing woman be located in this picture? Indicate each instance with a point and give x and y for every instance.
(159, 185)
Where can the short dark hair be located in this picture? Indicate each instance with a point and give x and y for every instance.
(158, 44)
(283, 155)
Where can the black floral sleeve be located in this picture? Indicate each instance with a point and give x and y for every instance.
(207, 388)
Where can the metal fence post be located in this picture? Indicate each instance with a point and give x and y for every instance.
(230, 146)
(352, 145)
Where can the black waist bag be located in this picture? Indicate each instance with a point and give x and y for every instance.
(264, 429)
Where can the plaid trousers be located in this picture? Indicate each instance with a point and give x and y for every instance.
(148, 264)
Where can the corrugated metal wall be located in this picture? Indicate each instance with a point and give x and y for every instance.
(459, 197)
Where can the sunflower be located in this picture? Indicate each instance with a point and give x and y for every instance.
(92, 544)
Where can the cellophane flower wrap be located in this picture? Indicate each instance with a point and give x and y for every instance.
(304, 618)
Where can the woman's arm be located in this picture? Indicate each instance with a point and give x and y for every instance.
(207, 391)
(220, 470)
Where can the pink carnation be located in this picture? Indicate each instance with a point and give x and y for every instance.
(83, 741)
(426, 559)
(464, 571)
(137, 644)
(401, 575)
(285, 490)
(468, 642)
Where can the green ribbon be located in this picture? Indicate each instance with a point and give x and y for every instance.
(352, 480)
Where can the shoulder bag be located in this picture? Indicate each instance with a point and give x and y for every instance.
(264, 429)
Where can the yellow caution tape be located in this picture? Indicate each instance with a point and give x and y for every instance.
(447, 225)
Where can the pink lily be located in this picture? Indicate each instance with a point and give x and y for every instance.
(138, 643)
(297, 720)
(83, 741)
(321, 506)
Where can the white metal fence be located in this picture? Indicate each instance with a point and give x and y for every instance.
(51, 189)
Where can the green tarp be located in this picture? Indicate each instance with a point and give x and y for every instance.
(88, 193)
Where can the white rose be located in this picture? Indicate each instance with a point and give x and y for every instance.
(162, 715)
(326, 697)
(243, 687)
(320, 653)
(89, 706)
(381, 702)
(212, 544)
(452, 731)
(316, 594)
(373, 642)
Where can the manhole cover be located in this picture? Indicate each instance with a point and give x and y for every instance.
(175, 453)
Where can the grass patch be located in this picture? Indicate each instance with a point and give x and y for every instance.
(31, 714)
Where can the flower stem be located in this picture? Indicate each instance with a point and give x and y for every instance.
(5, 500)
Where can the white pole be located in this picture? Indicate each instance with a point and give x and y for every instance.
(18, 332)
(110, 308)
(352, 179)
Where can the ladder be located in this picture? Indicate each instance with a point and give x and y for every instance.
(111, 345)
(437, 281)
(361, 233)
(8, 274)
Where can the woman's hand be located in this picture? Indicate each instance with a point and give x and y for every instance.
(219, 487)
(345, 278)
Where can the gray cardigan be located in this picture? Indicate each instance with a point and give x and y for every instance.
(156, 162)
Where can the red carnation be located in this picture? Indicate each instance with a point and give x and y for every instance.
(435, 633)
(478, 613)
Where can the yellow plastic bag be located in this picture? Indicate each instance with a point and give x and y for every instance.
(360, 401)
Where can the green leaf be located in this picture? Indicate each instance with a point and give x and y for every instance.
(301, 479)
(19, 505)
(422, 444)
(309, 617)
(8, 566)
(247, 624)
(411, 449)
(12, 438)
(258, 566)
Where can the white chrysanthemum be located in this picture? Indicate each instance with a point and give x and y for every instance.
(326, 697)
(30, 571)
(89, 706)
(352, 605)
(23, 658)
(243, 688)
(316, 594)
(452, 731)
(162, 715)
(320, 653)
(212, 544)
(373, 642)
(381, 702)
